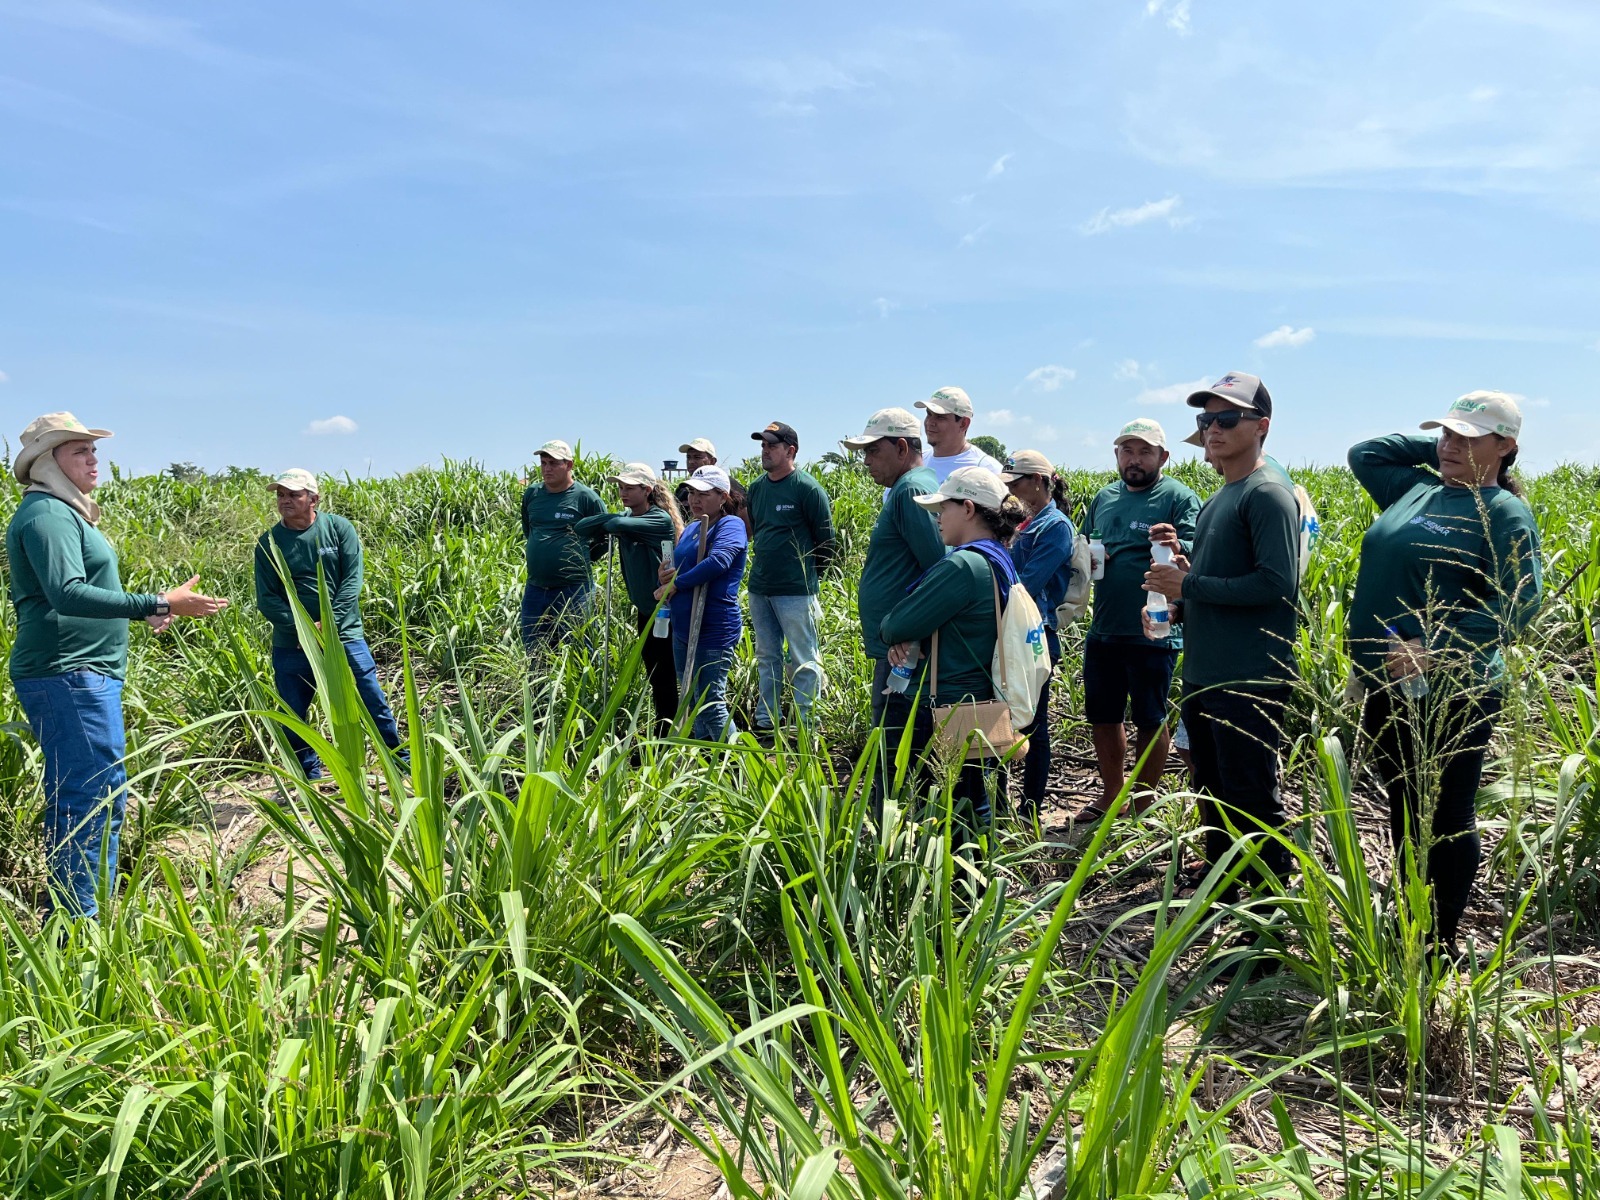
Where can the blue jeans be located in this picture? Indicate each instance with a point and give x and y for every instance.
(548, 613)
(77, 718)
(709, 691)
(293, 677)
(791, 619)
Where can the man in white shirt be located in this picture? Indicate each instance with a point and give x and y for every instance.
(949, 417)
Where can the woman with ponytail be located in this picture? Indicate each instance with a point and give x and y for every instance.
(1449, 576)
(955, 598)
(1042, 553)
(651, 519)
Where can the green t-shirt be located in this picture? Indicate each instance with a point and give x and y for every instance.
(558, 555)
(72, 614)
(792, 520)
(1123, 518)
(638, 546)
(330, 540)
(956, 597)
(905, 542)
(1240, 598)
(1436, 565)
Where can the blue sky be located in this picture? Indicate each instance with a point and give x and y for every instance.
(358, 236)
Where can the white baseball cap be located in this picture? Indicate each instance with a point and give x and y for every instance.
(701, 444)
(708, 479)
(1478, 413)
(557, 449)
(635, 473)
(1145, 429)
(885, 423)
(978, 484)
(952, 400)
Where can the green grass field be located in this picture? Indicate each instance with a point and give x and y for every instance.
(563, 945)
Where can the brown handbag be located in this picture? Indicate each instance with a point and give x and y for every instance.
(975, 729)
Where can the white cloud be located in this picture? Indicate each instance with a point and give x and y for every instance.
(1050, 377)
(1286, 336)
(4, 378)
(1173, 393)
(1536, 402)
(965, 198)
(800, 76)
(999, 167)
(1000, 418)
(885, 306)
(1046, 433)
(973, 235)
(1483, 94)
(1108, 219)
(1176, 13)
(1128, 369)
(332, 425)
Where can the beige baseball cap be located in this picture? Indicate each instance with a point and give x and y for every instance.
(885, 423)
(557, 449)
(295, 479)
(952, 400)
(1145, 430)
(44, 434)
(637, 473)
(701, 444)
(1478, 413)
(1027, 462)
(978, 484)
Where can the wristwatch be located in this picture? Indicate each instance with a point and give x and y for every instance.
(163, 609)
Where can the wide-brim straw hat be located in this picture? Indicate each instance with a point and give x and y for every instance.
(46, 433)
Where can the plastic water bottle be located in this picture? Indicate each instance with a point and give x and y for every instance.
(900, 677)
(663, 625)
(1097, 556)
(1412, 687)
(1154, 602)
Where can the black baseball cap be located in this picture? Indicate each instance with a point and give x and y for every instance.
(778, 432)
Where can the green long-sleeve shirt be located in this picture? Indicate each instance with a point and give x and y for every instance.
(72, 614)
(1123, 518)
(956, 597)
(1455, 567)
(905, 542)
(638, 546)
(331, 540)
(1240, 598)
(557, 554)
(793, 539)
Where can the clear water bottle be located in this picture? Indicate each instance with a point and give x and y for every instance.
(1412, 687)
(1097, 556)
(663, 625)
(1155, 603)
(900, 677)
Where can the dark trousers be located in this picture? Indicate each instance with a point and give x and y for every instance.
(662, 674)
(550, 614)
(1233, 738)
(293, 677)
(1036, 766)
(1430, 755)
(972, 810)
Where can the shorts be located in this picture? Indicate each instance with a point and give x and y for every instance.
(1119, 676)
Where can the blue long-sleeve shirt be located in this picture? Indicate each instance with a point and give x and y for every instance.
(1042, 553)
(719, 573)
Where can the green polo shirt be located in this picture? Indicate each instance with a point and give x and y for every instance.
(905, 542)
(558, 555)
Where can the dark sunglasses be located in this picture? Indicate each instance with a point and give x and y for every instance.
(1227, 420)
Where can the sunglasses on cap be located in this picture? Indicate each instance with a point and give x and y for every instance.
(1225, 420)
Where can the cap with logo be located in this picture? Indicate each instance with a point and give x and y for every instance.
(1478, 413)
(295, 479)
(777, 433)
(557, 449)
(953, 401)
(701, 444)
(1237, 388)
(46, 433)
(637, 473)
(1145, 430)
(707, 479)
(1027, 462)
(885, 423)
(978, 484)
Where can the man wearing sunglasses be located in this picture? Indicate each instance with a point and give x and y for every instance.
(1239, 601)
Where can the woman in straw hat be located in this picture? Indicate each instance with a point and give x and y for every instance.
(71, 651)
(1449, 576)
(650, 521)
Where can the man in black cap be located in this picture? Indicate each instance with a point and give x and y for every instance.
(793, 543)
(1238, 601)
